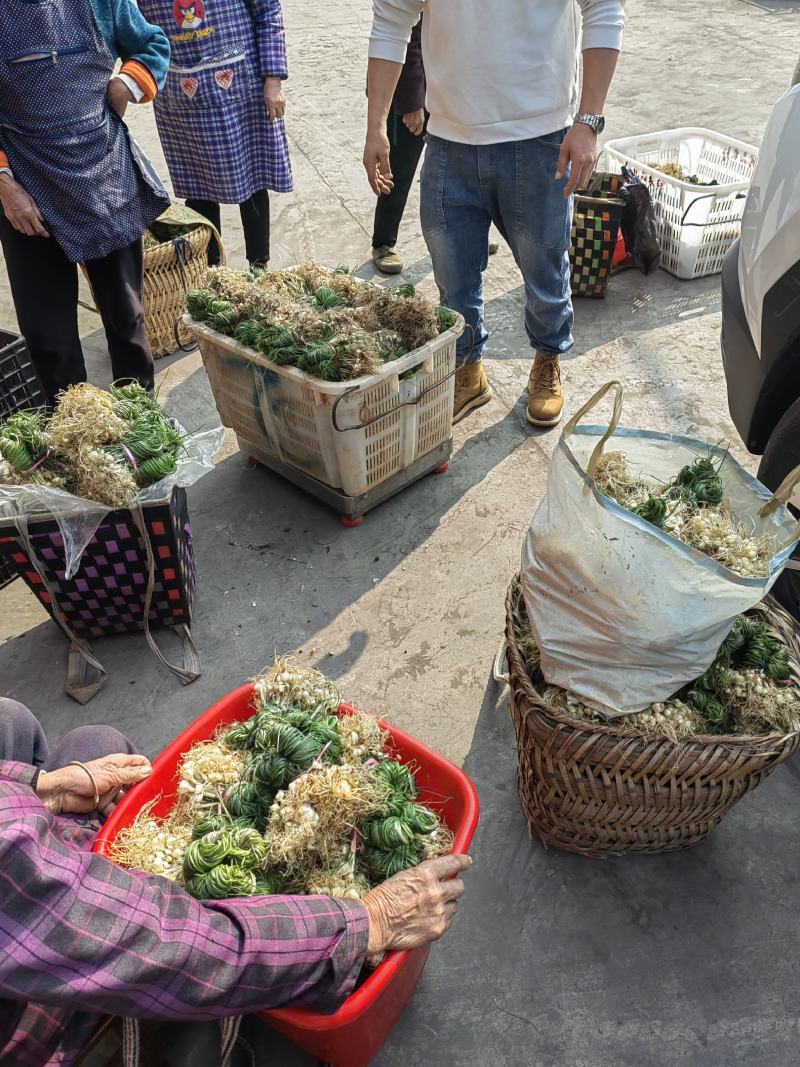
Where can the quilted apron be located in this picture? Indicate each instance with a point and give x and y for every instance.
(218, 140)
(94, 188)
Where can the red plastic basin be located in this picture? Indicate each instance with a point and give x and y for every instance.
(353, 1035)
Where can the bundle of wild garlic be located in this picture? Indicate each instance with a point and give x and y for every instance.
(325, 323)
(692, 508)
(297, 798)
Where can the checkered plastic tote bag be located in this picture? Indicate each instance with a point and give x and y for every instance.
(595, 228)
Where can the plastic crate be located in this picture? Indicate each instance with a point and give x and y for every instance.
(19, 389)
(351, 1036)
(696, 224)
(351, 436)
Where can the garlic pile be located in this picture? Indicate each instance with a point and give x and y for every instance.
(362, 737)
(755, 701)
(288, 684)
(207, 770)
(673, 718)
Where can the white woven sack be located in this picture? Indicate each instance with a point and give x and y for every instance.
(624, 614)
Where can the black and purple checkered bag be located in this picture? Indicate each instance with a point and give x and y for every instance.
(107, 595)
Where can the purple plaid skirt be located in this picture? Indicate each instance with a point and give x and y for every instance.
(218, 141)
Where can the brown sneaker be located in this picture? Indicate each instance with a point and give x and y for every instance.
(472, 389)
(386, 260)
(545, 396)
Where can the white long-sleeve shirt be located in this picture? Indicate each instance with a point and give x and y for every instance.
(498, 70)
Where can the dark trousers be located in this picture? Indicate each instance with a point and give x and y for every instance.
(22, 740)
(404, 159)
(44, 286)
(255, 223)
(781, 456)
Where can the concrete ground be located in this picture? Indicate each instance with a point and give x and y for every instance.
(683, 960)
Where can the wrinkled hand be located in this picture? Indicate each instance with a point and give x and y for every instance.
(415, 907)
(274, 98)
(20, 208)
(119, 96)
(376, 162)
(70, 790)
(414, 121)
(579, 151)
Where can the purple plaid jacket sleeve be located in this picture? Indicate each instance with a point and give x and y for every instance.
(271, 37)
(81, 938)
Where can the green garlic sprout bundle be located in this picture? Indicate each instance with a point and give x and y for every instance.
(287, 683)
(327, 324)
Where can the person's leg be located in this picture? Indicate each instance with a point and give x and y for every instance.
(44, 287)
(117, 282)
(211, 211)
(781, 457)
(88, 743)
(536, 218)
(22, 738)
(404, 158)
(455, 224)
(255, 223)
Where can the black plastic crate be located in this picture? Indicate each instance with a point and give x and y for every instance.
(19, 383)
(19, 389)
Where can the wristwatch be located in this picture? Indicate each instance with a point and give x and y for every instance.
(596, 122)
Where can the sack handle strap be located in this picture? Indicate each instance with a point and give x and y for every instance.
(780, 498)
(191, 669)
(616, 415)
(85, 673)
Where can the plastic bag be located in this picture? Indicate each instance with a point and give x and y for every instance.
(623, 613)
(639, 229)
(78, 519)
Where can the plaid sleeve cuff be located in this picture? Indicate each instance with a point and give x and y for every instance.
(23, 773)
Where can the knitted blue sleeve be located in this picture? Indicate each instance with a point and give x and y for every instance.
(130, 36)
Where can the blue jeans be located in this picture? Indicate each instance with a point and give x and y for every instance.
(465, 188)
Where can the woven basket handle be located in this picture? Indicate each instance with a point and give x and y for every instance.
(781, 497)
(616, 415)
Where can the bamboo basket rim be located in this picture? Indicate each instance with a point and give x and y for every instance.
(779, 620)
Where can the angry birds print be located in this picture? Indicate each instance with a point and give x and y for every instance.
(189, 14)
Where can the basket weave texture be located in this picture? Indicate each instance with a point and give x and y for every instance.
(167, 279)
(591, 789)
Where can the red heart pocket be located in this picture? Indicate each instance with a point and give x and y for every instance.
(189, 86)
(223, 78)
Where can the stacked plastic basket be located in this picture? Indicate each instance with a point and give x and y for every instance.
(698, 220)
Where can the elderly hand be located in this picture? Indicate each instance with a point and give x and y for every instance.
(274, 98)
(414, 121)
(119, 96)
(71, 791)
(20, 208)
(415, 907)
(579, 151)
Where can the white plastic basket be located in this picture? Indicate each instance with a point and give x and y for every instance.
(697, 224)
(352, 436)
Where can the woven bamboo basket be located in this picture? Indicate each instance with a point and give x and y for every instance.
(595, 790)
(171, 269)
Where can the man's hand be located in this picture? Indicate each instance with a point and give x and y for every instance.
(376, 161)
(119, 96)
(415, 907)
(70, 790)
(20, 208)
(414, 121)
(274, 98)
(579, 151)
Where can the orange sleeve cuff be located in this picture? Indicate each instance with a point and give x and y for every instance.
(143, 78)
(4, 160)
